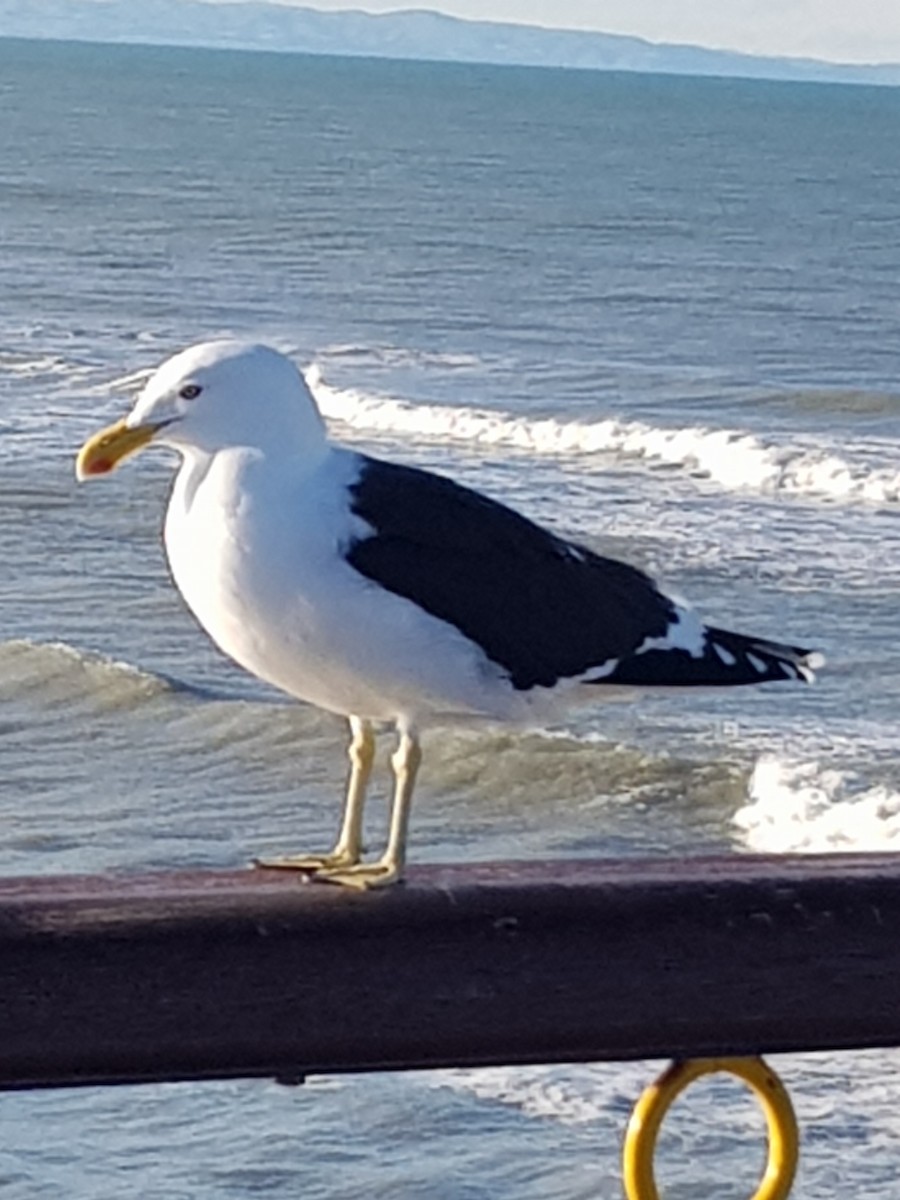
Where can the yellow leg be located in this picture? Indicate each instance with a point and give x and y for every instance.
(348, 847)
(388, 868)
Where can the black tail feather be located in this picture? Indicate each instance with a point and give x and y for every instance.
(728, 660)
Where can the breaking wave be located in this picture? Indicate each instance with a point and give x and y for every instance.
(732, 459)
(60, 674)
(801, 806)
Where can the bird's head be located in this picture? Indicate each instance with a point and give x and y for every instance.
(211, 397)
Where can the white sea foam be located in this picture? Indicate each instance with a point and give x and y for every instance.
(400, 356)
(51, 372)
(732, 459)
(25, 367)
(570, 1094)
(88, 378)
(801, 806)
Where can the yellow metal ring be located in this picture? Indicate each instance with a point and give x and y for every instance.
(650, 1110)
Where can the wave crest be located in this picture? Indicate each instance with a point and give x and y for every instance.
(56, 674)
(732, 459)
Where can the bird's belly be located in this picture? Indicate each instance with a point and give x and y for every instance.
(323, 633)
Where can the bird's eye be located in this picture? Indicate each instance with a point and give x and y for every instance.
(190, 391)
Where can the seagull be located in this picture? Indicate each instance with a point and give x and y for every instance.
(389, 594)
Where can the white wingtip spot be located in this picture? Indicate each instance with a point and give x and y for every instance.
(600, 672)
(685, 632)
(757, 664)
(725, 655)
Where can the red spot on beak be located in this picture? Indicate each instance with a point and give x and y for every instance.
(100, 466)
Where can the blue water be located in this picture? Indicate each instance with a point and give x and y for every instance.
(658, 313)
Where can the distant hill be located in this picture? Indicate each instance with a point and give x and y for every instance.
(412, 34)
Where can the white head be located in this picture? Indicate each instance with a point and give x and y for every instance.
(211, 397)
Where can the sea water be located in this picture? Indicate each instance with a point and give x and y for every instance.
(660, 315)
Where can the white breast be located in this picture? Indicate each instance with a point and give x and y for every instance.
(256, 553)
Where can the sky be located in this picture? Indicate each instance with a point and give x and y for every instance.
(837, 30)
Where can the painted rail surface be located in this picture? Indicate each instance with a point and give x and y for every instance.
(213, 974)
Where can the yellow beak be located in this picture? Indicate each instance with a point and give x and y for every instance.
(104, 451)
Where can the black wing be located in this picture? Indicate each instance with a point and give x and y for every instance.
(542, 608)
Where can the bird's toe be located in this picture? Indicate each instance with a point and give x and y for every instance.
(334, 860)
(361, 876)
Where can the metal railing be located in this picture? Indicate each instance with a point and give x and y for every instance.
(216, 974)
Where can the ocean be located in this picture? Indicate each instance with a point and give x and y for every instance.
(658, 314)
